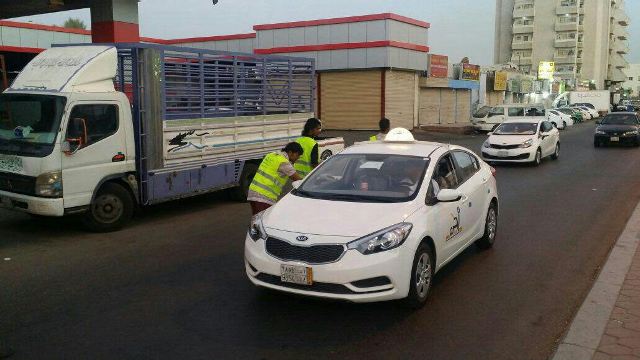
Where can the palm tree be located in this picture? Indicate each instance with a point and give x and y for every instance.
(75, 23)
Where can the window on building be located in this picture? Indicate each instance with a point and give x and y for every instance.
(630, 78)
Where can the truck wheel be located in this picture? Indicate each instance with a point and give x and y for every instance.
(240, 192)
(111, 209)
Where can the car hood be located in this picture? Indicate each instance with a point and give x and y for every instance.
(335, 218)
(617, 128)
(509, 139)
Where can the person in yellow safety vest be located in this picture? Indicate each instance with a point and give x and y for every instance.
(385, 127)
(310, 158)
(272, 175)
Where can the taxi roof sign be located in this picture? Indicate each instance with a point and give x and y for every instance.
(400, 135)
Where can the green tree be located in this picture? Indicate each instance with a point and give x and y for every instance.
(75, 23)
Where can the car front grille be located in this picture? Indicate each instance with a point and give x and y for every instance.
(314, 254)
(496, 146)
(18, 184)
(320, 287)
(517, 157)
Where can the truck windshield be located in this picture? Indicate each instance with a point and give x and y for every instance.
(366, 178)
(29, 123)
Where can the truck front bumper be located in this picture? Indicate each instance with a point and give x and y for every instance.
(31, 204)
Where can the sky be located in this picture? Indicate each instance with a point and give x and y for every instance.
(459, 28)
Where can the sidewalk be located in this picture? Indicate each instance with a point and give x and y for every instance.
(607, 326)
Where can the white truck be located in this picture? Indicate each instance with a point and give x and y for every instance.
(600, 99)
(102, 129)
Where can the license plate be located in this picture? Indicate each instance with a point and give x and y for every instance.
(503, 153)
(614, 138)
(11, 163)
(300, 275)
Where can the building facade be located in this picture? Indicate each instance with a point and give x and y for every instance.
(585, 39)
(633, 80)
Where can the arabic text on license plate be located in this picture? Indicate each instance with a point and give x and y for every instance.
(615, 138)
(503, 153)
(296, 274)
(10, 163)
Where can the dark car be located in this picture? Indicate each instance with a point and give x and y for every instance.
(618, 128)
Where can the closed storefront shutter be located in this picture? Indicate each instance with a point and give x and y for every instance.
(429, 110)
(463, 110)
(400, 98)
(448, 106)
(351, 100)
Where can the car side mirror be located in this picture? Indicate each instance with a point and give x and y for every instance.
(449, 195)
(296, 184)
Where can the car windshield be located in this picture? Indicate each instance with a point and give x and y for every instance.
(566, 111)
(30, 118)
(516, 129)
(366, 178)
(620, 120)
(482, 112)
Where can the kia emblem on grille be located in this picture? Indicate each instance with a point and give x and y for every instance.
(302, 238)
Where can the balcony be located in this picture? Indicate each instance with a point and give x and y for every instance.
(573, 26)
(620, 32)
(616, 75)
(622, 48)
(523, 60)
(568, 10)
(522, 45)
(522, 29)
(617, 61)
(565, 74)
(520, 13)
(564, 59)
(566, 43)
(621, 16)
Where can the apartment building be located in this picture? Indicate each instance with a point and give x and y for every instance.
(586, 39)
(633, 80)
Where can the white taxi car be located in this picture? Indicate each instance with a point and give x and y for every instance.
(375, 222)
(522, 141)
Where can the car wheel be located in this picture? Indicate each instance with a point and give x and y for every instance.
(111, 209)
(490, 228)
(556, 153)
(421, 277)
(241, 192)
(538, 158)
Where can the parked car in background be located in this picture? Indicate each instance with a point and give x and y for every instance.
(522, 140)
(576, 116)
(487, 119)
(559, 119)
(430, 202)
(586, 115)
(593, 112)
(618, 128)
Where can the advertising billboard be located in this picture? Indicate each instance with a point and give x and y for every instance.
(546, 70)
(438, 66)
(470, 72)
(500, 83)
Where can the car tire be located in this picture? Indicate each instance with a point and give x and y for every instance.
(240, 192)
(111, 209)
(537, 160)
(490, 228)
(556, 152)
(421, 277)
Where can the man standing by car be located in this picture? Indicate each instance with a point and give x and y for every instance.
(271, 177)
(310, 158)
(385, 126)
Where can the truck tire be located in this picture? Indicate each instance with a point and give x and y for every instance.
(111, 209)
(240, 192)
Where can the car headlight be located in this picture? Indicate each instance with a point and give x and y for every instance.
(256, 229)
(629, 133)
(49, 184)
(527, 144)
(486, 144)
(383, 240)
(600, 132)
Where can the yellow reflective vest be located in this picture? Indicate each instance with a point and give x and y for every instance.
(268, 181)
(303, 165)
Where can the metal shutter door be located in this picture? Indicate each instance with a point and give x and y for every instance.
(429, 110)
(351, 100)
(399, 98)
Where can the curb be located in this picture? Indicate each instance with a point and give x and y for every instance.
(588, 326)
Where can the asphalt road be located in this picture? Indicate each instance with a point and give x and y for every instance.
(172, 285)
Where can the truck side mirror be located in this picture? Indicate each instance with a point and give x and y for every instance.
(76, 136)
